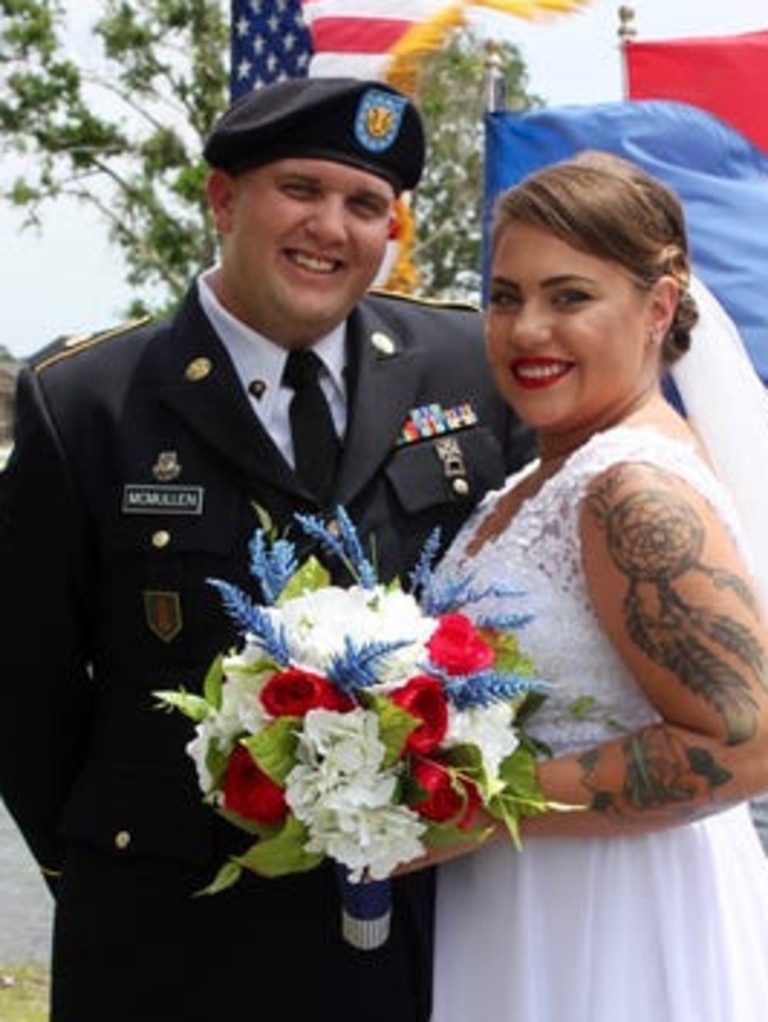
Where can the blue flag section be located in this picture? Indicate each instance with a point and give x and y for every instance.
(269, 42)
(721, 178)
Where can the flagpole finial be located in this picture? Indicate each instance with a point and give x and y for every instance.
(494, 84)
(627, 29)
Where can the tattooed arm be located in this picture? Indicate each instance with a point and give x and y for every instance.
(674, 597)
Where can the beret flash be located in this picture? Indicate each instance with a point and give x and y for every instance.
(365, 124)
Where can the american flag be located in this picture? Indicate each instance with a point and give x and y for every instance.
(355, 37)
(276, 39)
(269, 41)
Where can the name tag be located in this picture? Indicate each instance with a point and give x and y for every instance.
(145, 499)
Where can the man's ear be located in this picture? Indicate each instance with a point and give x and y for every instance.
(220, 191)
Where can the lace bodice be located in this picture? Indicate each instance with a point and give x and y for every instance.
(539, 554)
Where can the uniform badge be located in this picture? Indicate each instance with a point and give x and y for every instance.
(162, 611)
(167, 467)
(378, 120)
(448, 450)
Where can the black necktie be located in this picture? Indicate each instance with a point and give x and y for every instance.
(315, 443)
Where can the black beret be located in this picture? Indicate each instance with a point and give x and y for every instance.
(365, 124)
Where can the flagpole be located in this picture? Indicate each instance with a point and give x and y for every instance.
(626, 31)
(494, 85)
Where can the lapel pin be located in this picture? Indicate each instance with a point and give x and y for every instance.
(167, 467)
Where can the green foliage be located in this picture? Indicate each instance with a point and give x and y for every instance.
(447, 205)
(283, 853)
(123, 135)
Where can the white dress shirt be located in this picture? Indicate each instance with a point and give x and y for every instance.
(259, 364)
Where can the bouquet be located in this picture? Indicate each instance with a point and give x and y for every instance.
(360, 724)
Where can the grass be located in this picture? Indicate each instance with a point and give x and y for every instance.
(24, 993)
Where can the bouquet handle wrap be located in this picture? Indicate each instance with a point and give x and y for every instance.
(366, 910)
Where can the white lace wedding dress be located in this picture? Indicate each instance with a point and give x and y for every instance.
(666, 927)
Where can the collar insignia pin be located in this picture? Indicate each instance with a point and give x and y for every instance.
(198, 369)
(383, 343)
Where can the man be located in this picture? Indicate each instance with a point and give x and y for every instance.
(143, 458)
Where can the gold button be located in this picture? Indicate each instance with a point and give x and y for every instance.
(122, 840)
(461, 487)
(198, 369)
(160, 539)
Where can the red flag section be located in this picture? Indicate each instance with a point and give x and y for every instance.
(724, 75)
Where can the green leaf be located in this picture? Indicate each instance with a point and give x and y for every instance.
(213, 682)
(282, 854)
(440, 835)
(518, 773)
(264, 518)
(228, 875)
(193, 706)
(395, 725)
(274, 748)
(242, 823)
(582, 706)
(308, 578)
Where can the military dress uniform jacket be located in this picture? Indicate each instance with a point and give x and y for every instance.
(137, 466)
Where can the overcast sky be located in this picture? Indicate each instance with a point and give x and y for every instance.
(65, 278)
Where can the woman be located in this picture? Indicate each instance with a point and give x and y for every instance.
(649, 901)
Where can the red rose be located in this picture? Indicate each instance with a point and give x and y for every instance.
(447, 798)
(457, 647)
(294, 692)
(249, 792)
(423, 697)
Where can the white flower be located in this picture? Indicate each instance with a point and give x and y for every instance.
(369, 842)
(340, 791)
(339, 759)
(490, 728)
(316, 625)
(240, 712)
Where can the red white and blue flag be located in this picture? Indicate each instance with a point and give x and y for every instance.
(269, 41)
(276, 39)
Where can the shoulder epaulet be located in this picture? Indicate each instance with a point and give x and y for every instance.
(65, 347)
(440, 303)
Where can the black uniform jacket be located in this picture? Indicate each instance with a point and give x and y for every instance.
(137, 466)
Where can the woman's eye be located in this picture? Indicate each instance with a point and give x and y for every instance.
(569, 298)
(503, 300)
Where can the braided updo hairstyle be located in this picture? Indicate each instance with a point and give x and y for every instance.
(612, 209)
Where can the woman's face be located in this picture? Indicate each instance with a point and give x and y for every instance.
(573, 342)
